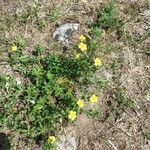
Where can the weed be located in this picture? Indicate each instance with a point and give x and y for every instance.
(117, 64)
(96, 32)
(41, 23)
(53, 14)
(122, 101)
(20, 42)
(108, 17)
(32, 11)
(95, 114)
(110, 48)
(117, 67)
(47, 98)
(22, 18)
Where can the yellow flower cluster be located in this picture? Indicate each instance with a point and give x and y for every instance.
(72, 115)
(98, 62)
(82, 46)
(82, 38)
(93, 99)
(14, 48)
(62, 80)
(80, 103)
(77, 55)
(51, 139)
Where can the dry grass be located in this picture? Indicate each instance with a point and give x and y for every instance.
(128, 130)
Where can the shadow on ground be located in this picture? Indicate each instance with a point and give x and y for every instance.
(4, 142)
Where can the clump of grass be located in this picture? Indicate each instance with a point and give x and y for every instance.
(53, 14)
(96, 113)
(108, 17)
(122, 101)
(119, 94)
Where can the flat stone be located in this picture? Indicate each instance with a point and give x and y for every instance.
(66, 141)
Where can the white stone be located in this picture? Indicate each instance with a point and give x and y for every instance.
(62, 33)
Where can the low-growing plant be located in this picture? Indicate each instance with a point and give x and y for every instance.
(53, 14)
(96, 113)
(108, 17)
(122, 101)
(45, 97)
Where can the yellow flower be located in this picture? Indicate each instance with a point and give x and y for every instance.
(93, 99)
(62, 80)
(98, 62)
(51, 139)
(82, 38)
(77, 56)
(14, 48)
(72, 115)
(82, 46)
(80, 103)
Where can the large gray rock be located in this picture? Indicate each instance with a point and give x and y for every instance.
(63, 33)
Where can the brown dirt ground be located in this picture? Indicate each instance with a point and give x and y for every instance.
(130, 130)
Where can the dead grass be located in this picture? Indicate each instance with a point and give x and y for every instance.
(128, 130)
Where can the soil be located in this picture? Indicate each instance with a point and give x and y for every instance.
(125, 129)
